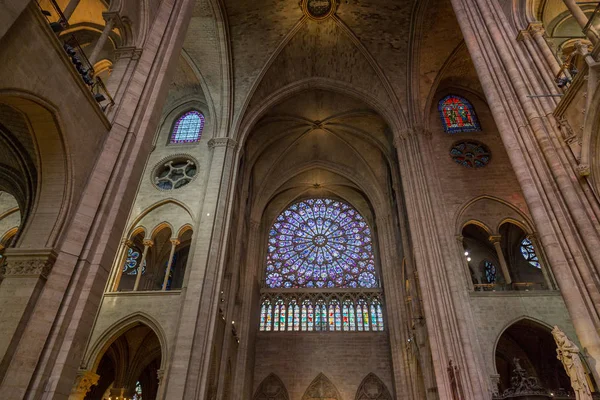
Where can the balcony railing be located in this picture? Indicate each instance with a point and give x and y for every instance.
(82, 64)
(515, 286)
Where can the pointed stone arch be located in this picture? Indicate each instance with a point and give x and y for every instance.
(271, 388)
(321, 388)
(372, 388)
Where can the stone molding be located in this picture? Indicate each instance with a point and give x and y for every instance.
(28, 263)
(222, 142)
(128, 52)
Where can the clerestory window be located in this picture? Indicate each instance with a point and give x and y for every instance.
(188, 128)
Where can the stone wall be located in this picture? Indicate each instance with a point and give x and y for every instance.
(345, 358)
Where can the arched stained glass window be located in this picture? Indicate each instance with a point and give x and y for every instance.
(528, 252)
(320, 243)
(320, 316)
(279, 317)
(348, 318)
(490, 271)
(265, 311)
(362, 315)
(188, 128)
(458, 115)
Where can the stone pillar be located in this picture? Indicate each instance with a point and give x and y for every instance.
(147, 244)
(83, 384)
(446, 303)
(126, 59)
(174, 243)
(111, 19)
(189, 375)
(562, 212)
(537, 31)
(581, 19)
(70, 9)
(126, 244)
(25, 274)
(496, 241)
(543, 264)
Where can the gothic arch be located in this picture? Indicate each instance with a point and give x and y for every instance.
(503, 211)
(271, 388)
(102, 343)
(372, 388)
(321, 388)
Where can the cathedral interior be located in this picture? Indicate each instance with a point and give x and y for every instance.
(299, 200)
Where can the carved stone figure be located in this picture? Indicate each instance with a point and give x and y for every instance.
(568, 353)
(521, 384)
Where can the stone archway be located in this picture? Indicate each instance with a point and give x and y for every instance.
(321, 388)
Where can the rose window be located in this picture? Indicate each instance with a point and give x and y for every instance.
(175, 173)
(470, 154)
(320, 243)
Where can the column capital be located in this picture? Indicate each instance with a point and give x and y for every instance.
(111, 17)
(523, 35)
(495, 238)
(148, 242)
(222, 142)
(127, 242)
(29, 262)
(536, 28)
(83, 384)
(175, 241)
(160, 374)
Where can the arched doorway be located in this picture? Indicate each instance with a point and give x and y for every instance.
(526, 349)
(129, 367)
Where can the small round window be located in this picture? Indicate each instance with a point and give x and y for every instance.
(470, 154)
(175, 173)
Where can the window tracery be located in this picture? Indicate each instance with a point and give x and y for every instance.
(131, 263)
(470, 154)
(528, 252)
(490, 271)
(320, 243)
(188, 128)
(458, 115)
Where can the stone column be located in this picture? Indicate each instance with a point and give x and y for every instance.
(563, 214)
(496, 241)
(548, 70)
(147, 244)
(542, 261)
(25, 274)
(83, 384)
(537, 31)
(126, 244)
(174, 243)
(446, 305)
(111, 19)
(126, 59)
(189, 375)
(70, 9)
(581, 19)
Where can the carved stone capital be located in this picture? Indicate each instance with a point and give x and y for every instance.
(536, 28)
(222, 142)
(583, 170)
(160, 374)
(495, 238)
(83, 384)
(148, 242)
(523, 35)
(29, 263)
(175, 241)
(127, 242)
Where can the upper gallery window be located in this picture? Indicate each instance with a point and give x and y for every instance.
(188, 128)
(528, 252)
(320, 243)
(458, 115)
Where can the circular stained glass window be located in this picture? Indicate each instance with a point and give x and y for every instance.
(471, 154)
(320, 243)
(175, 173)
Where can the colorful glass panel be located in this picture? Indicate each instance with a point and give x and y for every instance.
(379, 310)
(188, 128)
(528, 251)
(263, 314)
(457, 115)
(320, 243)
(269, 323)
(137, 395)
(373, 317)
(310, 317)
(490, 271)
(131, 263)
(470, 154)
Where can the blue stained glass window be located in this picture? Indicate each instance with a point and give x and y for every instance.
(138, 391)
(490, 272)
(528, 252)
(188, 128)
(131, 263)
(320, 243)
(457, 115)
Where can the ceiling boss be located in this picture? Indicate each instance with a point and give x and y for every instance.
(318, 9)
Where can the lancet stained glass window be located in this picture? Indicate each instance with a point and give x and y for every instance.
(490, 271)
(528, 252)
(188, 128)
(320, 243)
(458, 115)
(131, 263)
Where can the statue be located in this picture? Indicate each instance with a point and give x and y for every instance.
(568, 353)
